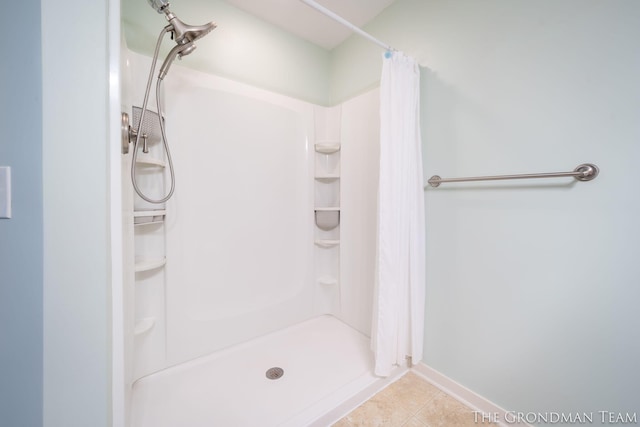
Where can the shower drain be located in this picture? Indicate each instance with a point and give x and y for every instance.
(274, 373)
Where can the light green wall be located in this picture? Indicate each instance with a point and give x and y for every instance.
(356, 63)
(532, 287)
(242, 48)
(75, 76)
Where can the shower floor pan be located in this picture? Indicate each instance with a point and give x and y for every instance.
(325, 363)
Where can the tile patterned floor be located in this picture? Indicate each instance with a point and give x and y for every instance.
(410, 402)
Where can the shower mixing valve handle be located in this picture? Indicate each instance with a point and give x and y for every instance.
(145, 147)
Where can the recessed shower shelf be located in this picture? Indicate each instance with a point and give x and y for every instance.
(155, 216)
(144, 264)
(327, 243)
(327, 209)
(328, 177)
(327, 281)
(150, 161)
(327, 218)
(327, 147)
(144, 325)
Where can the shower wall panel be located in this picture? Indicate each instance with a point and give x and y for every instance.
(239, 228)
(360, 153)
(144, 291)
(239, 231)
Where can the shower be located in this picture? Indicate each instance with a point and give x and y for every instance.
(234, 286)
(185, 36)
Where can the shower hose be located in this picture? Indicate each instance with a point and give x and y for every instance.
(162, 129)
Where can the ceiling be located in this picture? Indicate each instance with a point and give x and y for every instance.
(302, 20)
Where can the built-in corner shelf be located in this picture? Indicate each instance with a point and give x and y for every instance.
(327, 281)
(147, 264)
(327, 147)
(327, 178)
(150, 161)
(144, 325)
(153, 216)
(327, 243)
(327, 218)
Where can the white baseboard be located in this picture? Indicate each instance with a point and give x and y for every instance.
(487, 411)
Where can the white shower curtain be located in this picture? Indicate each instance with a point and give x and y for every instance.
(398, 312)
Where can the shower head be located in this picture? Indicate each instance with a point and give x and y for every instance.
(185, 35)
(182, 33)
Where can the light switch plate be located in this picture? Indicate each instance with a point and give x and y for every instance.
(5, 192)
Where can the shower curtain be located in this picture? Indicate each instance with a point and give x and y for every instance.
(398, 312)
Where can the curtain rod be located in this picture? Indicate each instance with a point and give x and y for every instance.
(346, 23)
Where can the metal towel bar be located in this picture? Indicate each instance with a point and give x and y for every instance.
(584, 172)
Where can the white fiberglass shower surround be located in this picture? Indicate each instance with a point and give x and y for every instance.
(263, 258)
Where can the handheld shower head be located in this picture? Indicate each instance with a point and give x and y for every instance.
(179, 51)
